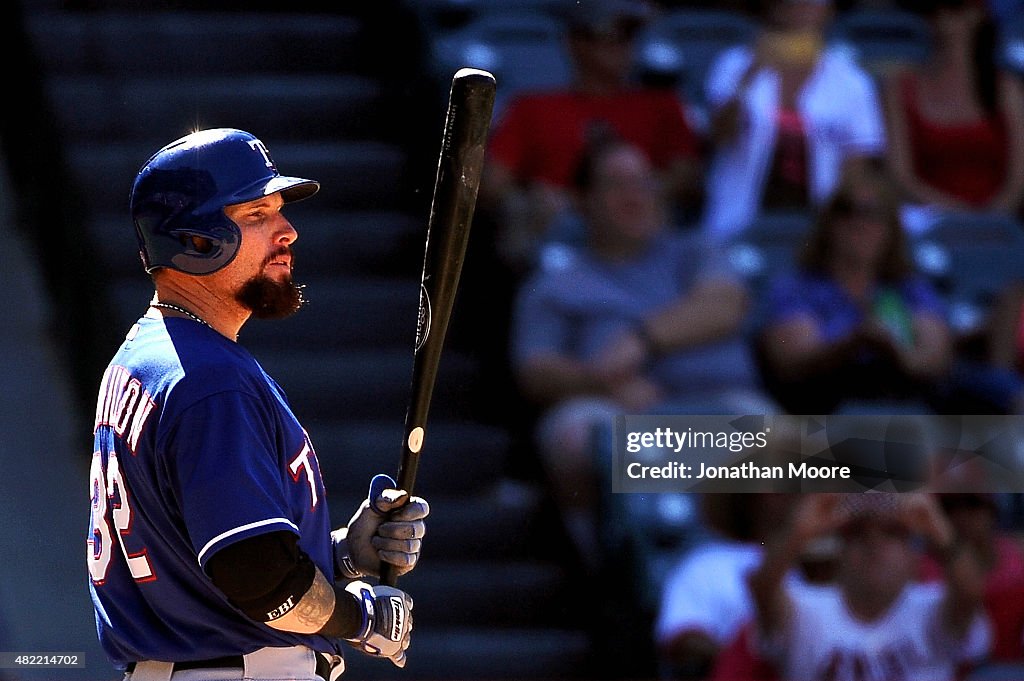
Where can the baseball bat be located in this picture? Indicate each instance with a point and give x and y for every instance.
(470, 104)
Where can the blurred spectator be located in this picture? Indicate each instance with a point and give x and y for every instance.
(854, 321)
(1005, 336)
(705, 602)
(788, 114)
(1006, 330)
(637, 318)
(874, 622)
(974, 517)
(536, 142)
(956, 121)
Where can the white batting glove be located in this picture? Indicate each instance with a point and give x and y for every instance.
(387, 527)
(387, 621)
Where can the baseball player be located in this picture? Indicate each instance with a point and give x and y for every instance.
(210, 550)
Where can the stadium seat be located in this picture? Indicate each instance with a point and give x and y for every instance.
(1011, 45)
(524, 50)
(882, 38)
(687, 41)
(971, 257)
(996, 672)
(443, 15)
(769, 245)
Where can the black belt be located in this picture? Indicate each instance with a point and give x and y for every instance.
(323, 666)
(214, 663)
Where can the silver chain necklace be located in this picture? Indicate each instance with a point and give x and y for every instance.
(168, 306)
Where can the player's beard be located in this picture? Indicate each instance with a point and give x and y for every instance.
(270, 299)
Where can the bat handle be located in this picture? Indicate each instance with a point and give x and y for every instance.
(406, 479)
(388, 574)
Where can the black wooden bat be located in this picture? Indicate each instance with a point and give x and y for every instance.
(459, 167)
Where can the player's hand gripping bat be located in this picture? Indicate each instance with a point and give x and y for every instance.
(470, 104)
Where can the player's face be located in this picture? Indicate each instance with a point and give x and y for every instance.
(261, 273)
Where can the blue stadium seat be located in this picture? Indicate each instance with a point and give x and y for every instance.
(524, 50)
(444, 15)
(997, 672)
(882, 38)
(1011, 45)
(769, 245)
(971, 257)
(688, 41)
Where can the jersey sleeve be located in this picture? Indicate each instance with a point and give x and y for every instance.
(225, 471)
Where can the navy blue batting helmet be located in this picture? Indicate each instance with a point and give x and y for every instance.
(179, 195)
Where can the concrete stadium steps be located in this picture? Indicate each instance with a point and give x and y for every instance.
(361, 174)
(486, 593)
(496, 521)
(350, 244)
(483, 654)
(495, 525)
(293, 107)
(341, 315)
(179, 43)
(459, 457)
(371, 243)
(114, 243)
(345, 312)
(128, 297)
(361, 384)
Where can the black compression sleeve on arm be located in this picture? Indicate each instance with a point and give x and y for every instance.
(260, 574)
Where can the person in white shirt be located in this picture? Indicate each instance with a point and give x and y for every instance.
(704, 601)
(874, 623)
(787, 115)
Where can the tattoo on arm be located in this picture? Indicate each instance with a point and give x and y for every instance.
(311, 613)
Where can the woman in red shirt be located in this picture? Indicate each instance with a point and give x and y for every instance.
(956, 122)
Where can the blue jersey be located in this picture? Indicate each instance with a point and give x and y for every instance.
(195, 448)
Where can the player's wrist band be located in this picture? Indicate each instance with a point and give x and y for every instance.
(343, 557)
(362, 592)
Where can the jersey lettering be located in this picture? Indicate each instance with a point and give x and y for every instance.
(301, 462)
(111, 508)
(887, 664)
(99, 533)
(123, 405)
